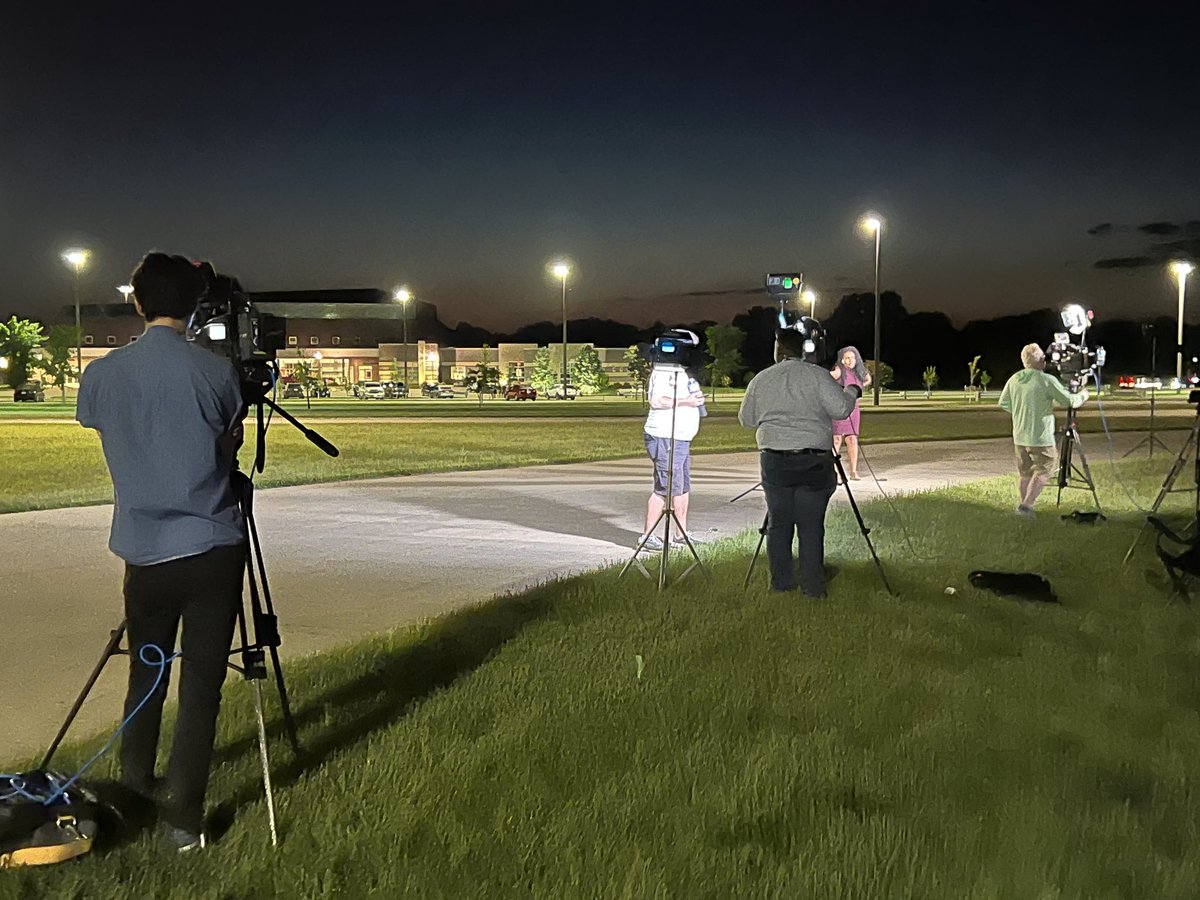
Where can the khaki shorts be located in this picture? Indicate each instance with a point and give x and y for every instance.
(1035, 460)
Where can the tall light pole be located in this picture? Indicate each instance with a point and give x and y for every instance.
(404, 295)
(562, 270)
(1181, 270)
(810, 297)
(77, 258)
(872, 223)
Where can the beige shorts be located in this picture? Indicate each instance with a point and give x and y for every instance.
(1035, 460)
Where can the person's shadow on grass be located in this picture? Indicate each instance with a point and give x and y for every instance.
(451, 647)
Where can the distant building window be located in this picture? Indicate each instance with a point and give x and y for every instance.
(312, 341)
(89, 340)
(112, 340)
(292, 341)
(335, 340)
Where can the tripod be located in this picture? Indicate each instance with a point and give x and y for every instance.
(1192, 444)
(1069, 474)
(862, 527)
(1150, 440)
(258, 633)
(667, 517)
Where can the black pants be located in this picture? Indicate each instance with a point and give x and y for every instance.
(798, 488)
(205, 591)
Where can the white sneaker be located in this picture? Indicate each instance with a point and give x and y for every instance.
(653, 542)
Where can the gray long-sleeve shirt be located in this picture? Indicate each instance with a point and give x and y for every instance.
(793, 405)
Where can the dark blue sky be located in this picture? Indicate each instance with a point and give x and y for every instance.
(668, 152)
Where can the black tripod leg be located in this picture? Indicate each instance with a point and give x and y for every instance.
(862, 526)
(762, 536)
(1087, 477)
(111, 649)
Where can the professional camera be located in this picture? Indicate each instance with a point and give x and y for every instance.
(227, 323)
(1074, 362)
(677, 347)
(787, 289)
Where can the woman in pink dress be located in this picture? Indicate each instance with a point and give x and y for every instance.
(849, 369)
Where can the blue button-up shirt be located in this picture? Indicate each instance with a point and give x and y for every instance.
(162, 406)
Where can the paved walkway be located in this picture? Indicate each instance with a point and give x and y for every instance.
(352, 558)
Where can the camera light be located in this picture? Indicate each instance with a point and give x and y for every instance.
(1075, 318)
(215, 331)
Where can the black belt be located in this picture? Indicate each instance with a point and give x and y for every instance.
(806, 451)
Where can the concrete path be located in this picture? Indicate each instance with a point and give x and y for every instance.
(352, 558)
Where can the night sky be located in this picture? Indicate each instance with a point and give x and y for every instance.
(674, 155)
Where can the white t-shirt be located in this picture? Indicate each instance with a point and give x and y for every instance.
(665, 380)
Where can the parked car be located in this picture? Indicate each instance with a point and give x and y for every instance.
(371, 390)
(293, 390)
(491, 390)
(629, 391)
(394, 389)
(443, 392)
(520, 392)
(29, 392)
(320, 389)
(557, 393)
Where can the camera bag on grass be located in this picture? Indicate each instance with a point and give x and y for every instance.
(34, 833)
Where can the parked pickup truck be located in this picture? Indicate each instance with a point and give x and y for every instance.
(520, 392)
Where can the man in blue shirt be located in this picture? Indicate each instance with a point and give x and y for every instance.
(169, 417)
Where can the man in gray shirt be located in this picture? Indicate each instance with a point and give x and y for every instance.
(169, 417)
(792, 405)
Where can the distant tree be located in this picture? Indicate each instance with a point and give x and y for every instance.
(587, 372)
(985, 378)
(485, 376)
(930, 378)
(639, 368)
(543, 377)
(724, 345)
(57, 361)
(884, 377)
(305, 377)
(19, 338)
(973, 371)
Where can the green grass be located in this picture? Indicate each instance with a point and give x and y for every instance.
(56, 464)
(935, 746)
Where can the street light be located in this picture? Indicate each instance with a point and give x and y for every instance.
(404, 295)
(126, 290)
(873, 224)
(1181, 270)
(562, 270)
(77, 258)
(810, 297)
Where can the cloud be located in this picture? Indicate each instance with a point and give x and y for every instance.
(736, 292)
(1159, 228)
(1125, 262)
(1102, 228)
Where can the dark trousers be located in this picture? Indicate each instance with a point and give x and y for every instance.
(798, 488)
(205, 591)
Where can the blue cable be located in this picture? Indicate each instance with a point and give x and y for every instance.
(162, 662)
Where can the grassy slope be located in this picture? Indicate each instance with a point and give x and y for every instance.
(49, 465)
(934, 746)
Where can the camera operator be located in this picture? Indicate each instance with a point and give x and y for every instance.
(676, 399)
(793, 406)
(1029, 397)
(169, 417)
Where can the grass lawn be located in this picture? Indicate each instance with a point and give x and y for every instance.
(594, 738)
(56, 464)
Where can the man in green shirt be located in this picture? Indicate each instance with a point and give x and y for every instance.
(1030, 397)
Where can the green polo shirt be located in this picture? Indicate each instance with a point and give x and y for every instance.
(1030, 397)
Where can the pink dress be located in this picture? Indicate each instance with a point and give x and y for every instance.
(848, 425)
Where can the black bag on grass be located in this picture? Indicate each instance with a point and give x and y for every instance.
(33, 833)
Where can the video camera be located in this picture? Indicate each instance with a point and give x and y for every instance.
(787, 288)
(677, 347)
(1075, 363)
(227, 323)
